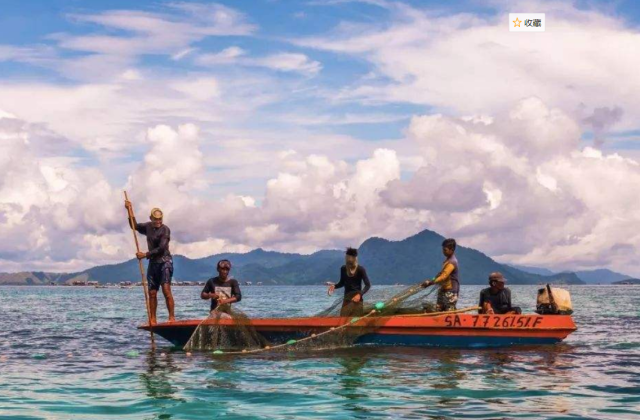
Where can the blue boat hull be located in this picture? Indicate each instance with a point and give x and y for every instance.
(180, 336)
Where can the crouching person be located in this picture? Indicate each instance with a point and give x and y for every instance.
(222, 289)
(496, 299)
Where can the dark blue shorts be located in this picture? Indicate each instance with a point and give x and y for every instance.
(159, 273)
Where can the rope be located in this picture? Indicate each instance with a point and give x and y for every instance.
(458, 311)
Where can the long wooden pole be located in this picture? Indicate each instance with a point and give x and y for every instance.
(142, 276)
(457, 311)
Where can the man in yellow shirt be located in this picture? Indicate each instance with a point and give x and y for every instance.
(448, 279)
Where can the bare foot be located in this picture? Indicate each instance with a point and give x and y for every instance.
(153, 321)
(172, 319)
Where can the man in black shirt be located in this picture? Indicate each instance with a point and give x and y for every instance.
(160, 268)
(497, 298)
(352, 276)
(222, 290)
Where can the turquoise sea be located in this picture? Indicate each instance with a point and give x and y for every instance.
(70, 353)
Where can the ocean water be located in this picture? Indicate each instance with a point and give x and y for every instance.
(75, 353)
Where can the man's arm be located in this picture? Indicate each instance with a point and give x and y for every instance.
(206, 292)
(365, 279)
(140, 227)
(339, 284)
(444, 274)
(162, 246)
(482, 304)
(508, 299)
(132, 219)
(236, 295)
(235, 292)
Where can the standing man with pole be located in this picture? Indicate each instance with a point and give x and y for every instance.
(160, 268)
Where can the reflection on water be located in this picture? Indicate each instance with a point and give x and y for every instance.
(157, 377)
(224, 372)
(352, 383)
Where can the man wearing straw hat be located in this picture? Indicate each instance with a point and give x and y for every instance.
(160, 268)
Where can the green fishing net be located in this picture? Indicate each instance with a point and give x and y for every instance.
(229, 329)
(225, 328)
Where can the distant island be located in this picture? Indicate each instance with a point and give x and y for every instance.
(387, 262)
(627, 281)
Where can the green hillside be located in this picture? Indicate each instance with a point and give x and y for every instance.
(388, 262)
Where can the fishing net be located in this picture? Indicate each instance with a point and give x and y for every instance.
(225, 328)
(228, 329)
(397, 301)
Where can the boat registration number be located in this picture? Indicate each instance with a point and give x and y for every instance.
(494, 321)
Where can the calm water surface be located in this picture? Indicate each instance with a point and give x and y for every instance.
(63, 355)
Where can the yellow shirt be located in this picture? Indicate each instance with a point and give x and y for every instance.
(444, 278)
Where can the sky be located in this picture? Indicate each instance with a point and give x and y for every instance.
(304, 125)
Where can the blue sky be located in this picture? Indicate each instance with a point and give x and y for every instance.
(39, 23)
(316, 124)
(36, 23)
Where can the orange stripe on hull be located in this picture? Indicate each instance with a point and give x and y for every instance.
(556, 326)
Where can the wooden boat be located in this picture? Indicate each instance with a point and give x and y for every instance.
(445, 330)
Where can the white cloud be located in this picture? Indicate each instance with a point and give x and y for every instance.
(201, 89)
(161, 32)
(227, 56)
(290, 62)
(57, 214)
(520, 188)
(346, 119)
(108, 117)
(469, 64)
(283, 62)
(324, 203)
(101, 55)
(48, 205)
(201, 249)
(553, 207)
(131, 75)
(182, 54)
(39, 55)
(172, 167)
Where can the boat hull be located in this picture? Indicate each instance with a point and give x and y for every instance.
(454, 330)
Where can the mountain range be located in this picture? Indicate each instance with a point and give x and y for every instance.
(599, 276)
(387, 262)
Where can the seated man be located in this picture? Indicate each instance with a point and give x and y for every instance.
(497, 298)
(222, 290)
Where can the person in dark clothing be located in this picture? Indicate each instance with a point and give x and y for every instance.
(160, 268)
(222, 290)
(352, 276)
(497, 298)
(448, 279)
